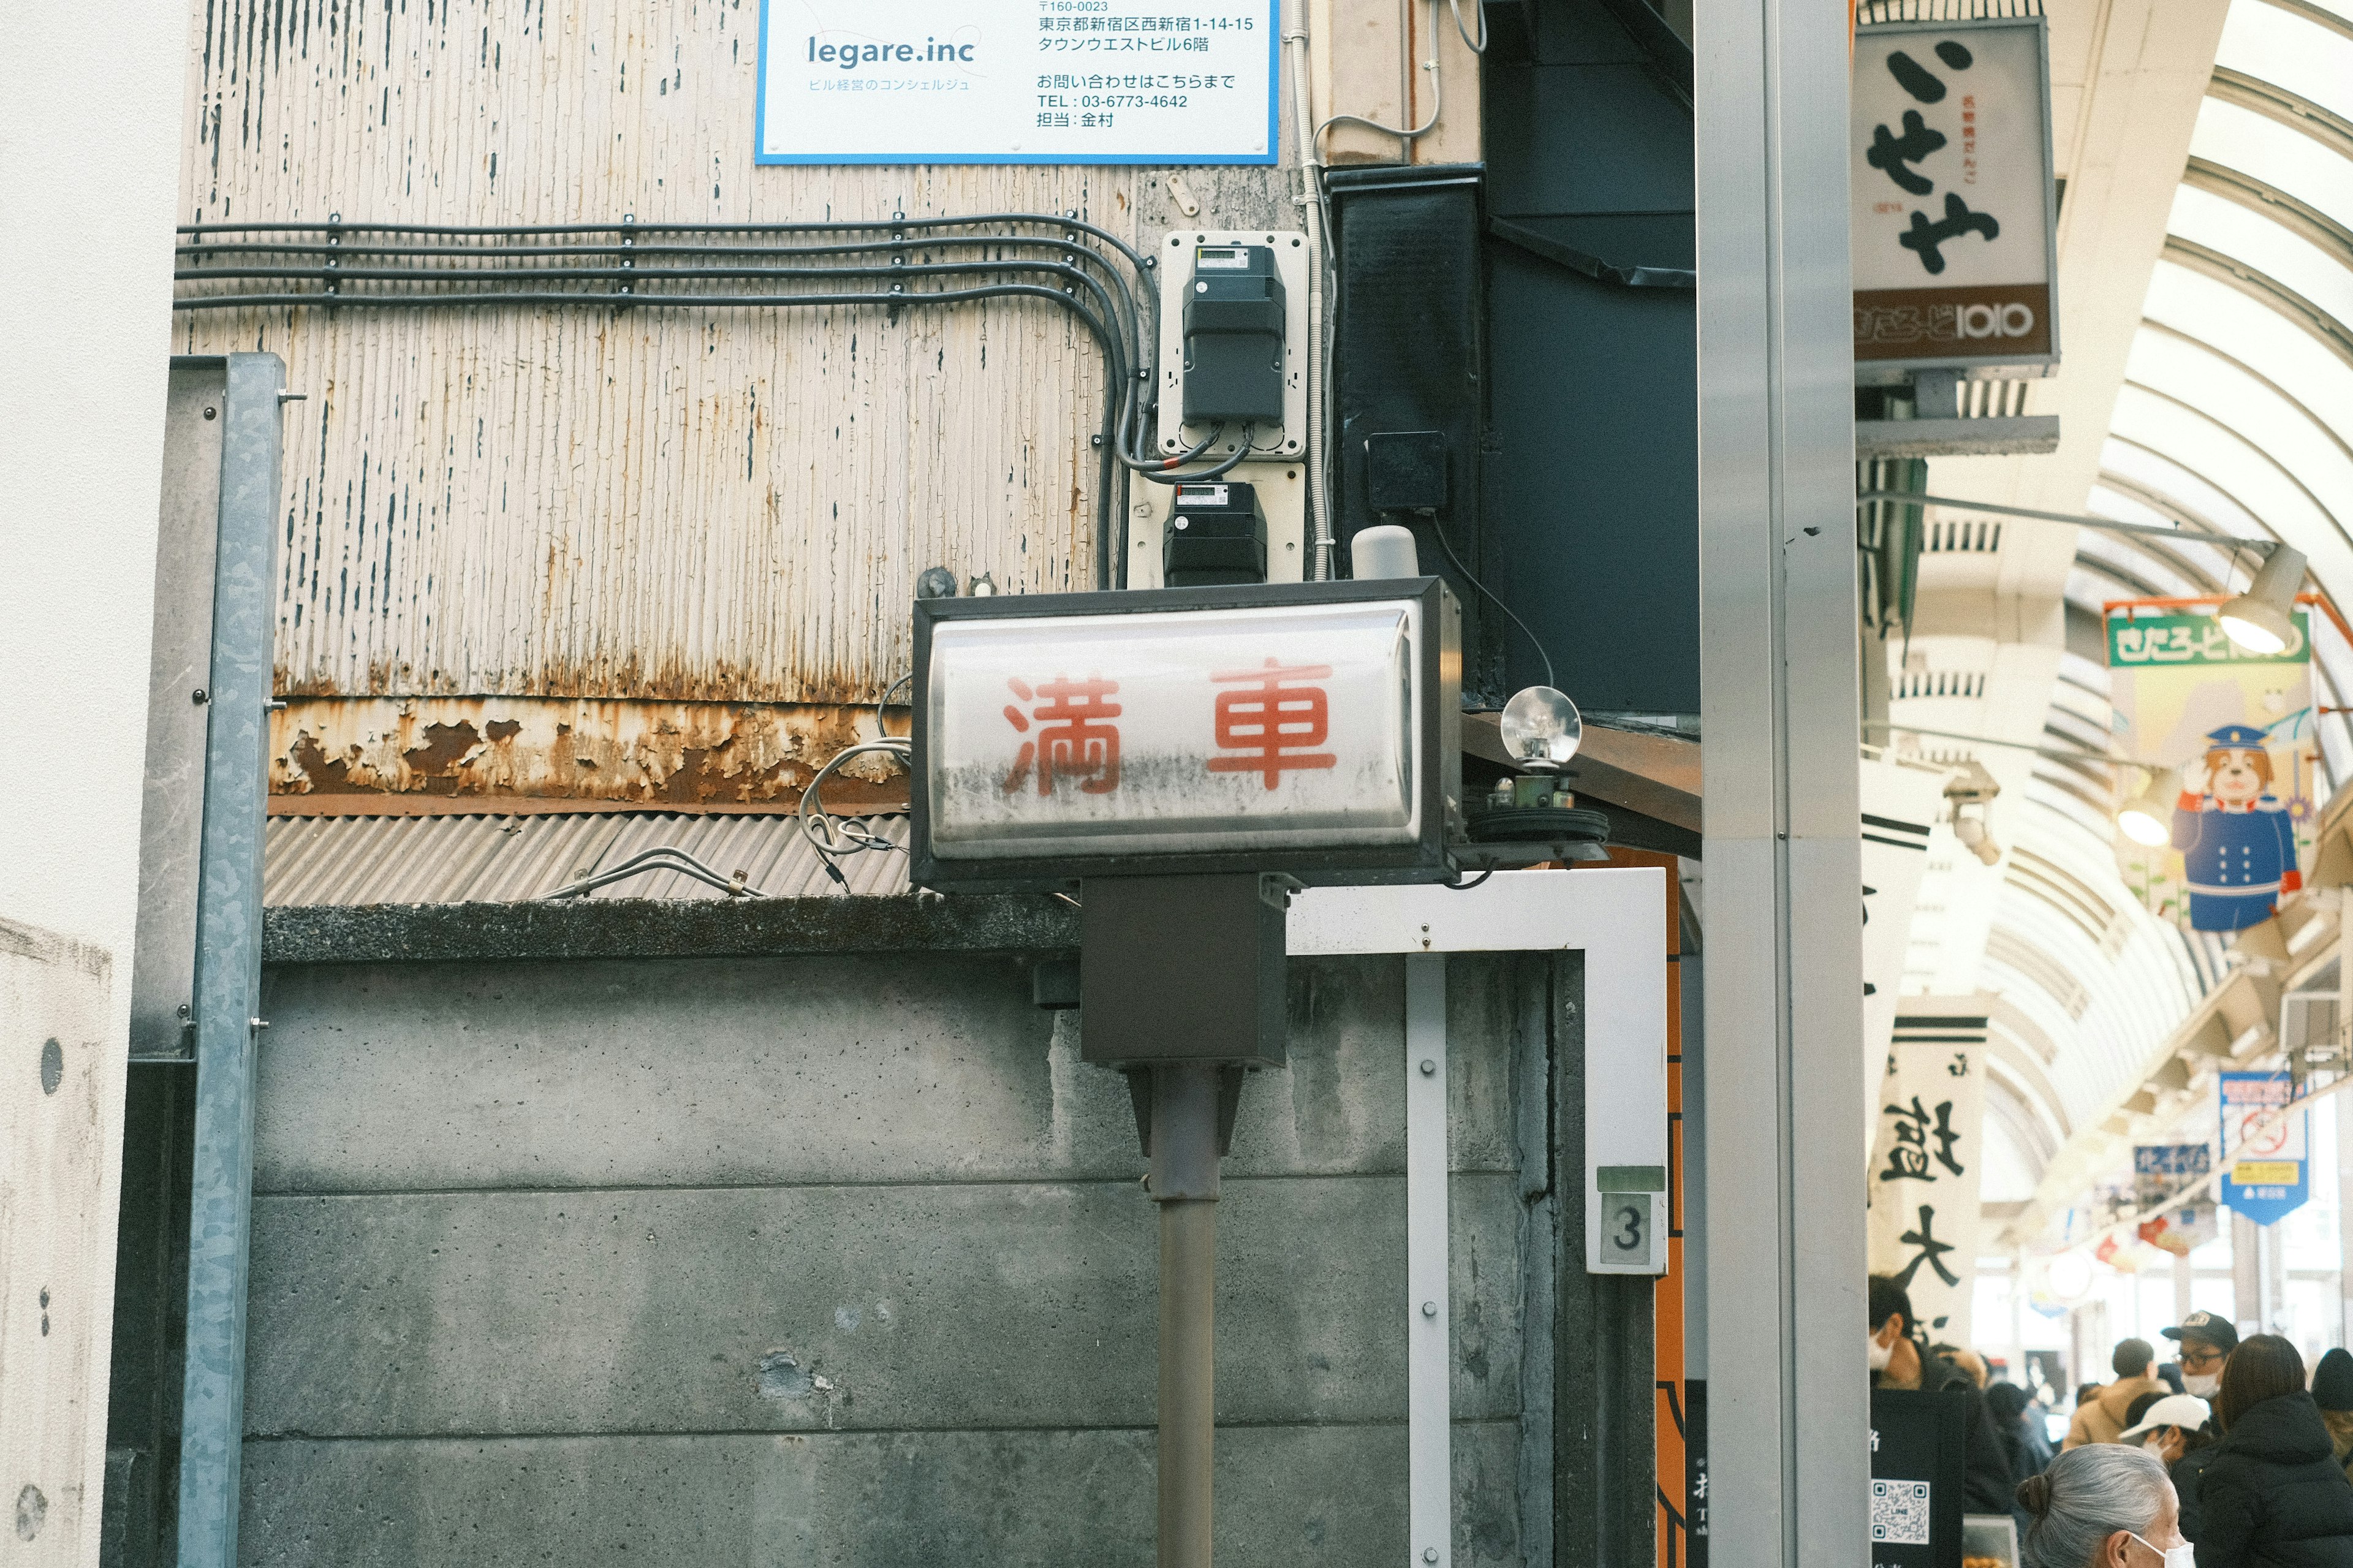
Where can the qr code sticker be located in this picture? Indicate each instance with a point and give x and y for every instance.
(1899, 1512)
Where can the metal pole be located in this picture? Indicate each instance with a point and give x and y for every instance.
(1788, 1399)
(228, 961)
(1185, 1185)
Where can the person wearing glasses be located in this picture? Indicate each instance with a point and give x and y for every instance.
(2207, 1342)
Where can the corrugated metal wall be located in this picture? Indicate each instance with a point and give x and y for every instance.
(715, 506)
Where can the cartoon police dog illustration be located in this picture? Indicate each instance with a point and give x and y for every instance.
(2238, 846)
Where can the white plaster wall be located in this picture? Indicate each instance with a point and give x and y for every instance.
(90, 131)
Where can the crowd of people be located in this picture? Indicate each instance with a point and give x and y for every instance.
(2225, 1456)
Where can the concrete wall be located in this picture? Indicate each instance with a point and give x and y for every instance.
(88, 155)
(839, 1261)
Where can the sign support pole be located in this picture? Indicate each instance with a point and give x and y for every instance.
(1185, 1101)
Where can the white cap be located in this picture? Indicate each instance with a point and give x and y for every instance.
(2186, 1410)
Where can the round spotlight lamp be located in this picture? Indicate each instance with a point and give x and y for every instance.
(2262, 619)
(2147, 818)
(2070, 1277)
(1542, 729)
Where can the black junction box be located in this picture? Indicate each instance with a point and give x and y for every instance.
(1182, 969)
(1216, 536)
(1233, 338)
(1405, 470)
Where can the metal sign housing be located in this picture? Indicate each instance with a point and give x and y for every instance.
(1310, 729)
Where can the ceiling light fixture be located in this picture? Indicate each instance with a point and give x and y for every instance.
(2147, 818)
(2262, 619)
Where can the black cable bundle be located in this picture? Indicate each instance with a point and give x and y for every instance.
(376, 265)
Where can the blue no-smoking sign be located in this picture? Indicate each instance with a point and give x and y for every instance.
(2266, 1172)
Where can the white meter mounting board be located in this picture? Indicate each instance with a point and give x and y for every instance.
(1177, 283)
(1278, 468)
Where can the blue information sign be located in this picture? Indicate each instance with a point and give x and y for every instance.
(2266, 1172)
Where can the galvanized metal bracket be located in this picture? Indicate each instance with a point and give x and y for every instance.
(227, 999)
(1430, 1449)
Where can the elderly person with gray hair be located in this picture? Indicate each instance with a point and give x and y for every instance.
(2102, 1506)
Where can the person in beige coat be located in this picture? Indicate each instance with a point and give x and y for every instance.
(2104, 1417)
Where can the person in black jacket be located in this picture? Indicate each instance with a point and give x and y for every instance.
(2272, 1496)
(1898, 1360)
(2024, 1442)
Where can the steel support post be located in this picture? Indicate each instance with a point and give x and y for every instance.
(1787, 1396)
(1185, 1185)
(1430, 1316)
(228, 961)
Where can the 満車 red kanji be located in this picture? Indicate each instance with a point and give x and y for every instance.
(1272, 719)
(1074, 740)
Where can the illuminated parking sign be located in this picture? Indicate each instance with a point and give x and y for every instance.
(1312, 729)
(1953, 219)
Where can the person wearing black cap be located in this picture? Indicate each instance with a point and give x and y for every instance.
(2332, 1390)
(2207, 1342)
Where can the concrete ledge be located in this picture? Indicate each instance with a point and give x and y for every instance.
(2030, 435)
(648, 928)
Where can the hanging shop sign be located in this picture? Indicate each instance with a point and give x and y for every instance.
(1954, 215)
(1925, 1176)
(2267, 1174)
(2162, 1170)
(1899, 807)
(1919, 1458)
(2239, 726)
(2162, 1173)
(1306, 728)
(1017, 81)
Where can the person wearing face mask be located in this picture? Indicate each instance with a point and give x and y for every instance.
(2207, 1342)
(2102, 1506)
(1898, 1361)
(2174, 1428)
(2272, 1496)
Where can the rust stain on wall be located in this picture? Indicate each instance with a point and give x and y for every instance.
(638, 752)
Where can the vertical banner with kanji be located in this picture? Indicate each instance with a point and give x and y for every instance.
(1924, 1160)
(1899, 807)
(2239, 726)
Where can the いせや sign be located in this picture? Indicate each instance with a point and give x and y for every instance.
(1311, 728)
(1953, 211)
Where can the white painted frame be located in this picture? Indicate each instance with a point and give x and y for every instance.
(1617, 916)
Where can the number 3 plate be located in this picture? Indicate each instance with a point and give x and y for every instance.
(1626, 1227)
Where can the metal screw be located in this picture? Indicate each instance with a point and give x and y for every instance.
(200, 697)
(212, 413)
(1429, 1555)
(1429, 1309)
(1429, 1067)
